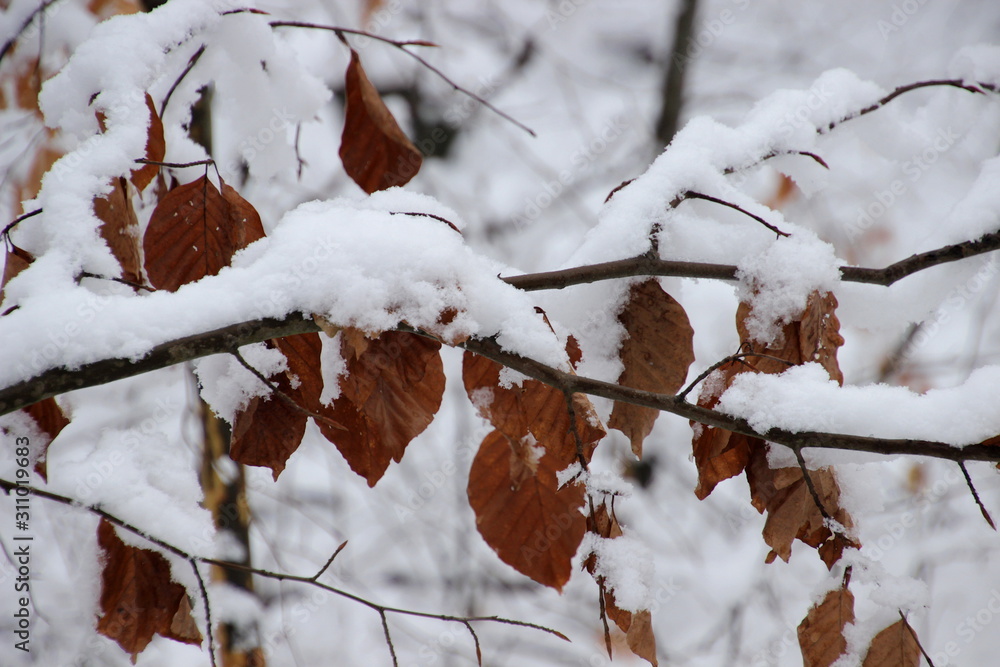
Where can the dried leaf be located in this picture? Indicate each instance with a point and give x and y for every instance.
(640, 636)
(894, 646)
(17, 260)
(120, 229)
(156, 149)
(656, 353)
(821, 632)
(533, 526)
(534, 408)
(719, 454)
(269, 430)
(791, 511)
(138, 596)
(375, 151)
(51, 420)
(194, 232)
(390, 394)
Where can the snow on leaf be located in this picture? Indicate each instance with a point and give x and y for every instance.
(194, 232)
(532, 525)
(390, 394)
(656, 354)
(17, 260)
(894, 646)
(139, 598)
(532, 408)
(269, 430)
(120, 229)
(821, 632)
(155, 149)
(375, 151)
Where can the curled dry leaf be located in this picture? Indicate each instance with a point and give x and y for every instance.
(532, 525)
(657, 352)
(894, 646)
(782, 494)
(139, 598)
(120, 229)
(821, 632)
(194, 232)
(156, 149)
(375, 152)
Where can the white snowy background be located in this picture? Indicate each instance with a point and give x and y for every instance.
(916, 175)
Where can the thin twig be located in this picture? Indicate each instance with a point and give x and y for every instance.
(977, 87)
(330, 561)
(428, 215)
(8, 486)
(177, 165)
(475, 640)
(388, 639)
(604, 616)
(18, 219)
(401, 46)
(191, 63)
(975, 494)
(24, 26)
(691, 194)
(812, 487)
(580, 453)
(208, 609)
(930, 662)
(291, 402)
(87, 274)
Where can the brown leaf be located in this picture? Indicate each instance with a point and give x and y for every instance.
(719, 454)
(894, 646)
(120, 229)
(534, 408)
(138, 596)
(51, 420)
(656, 353)
(375, 152)
(791, 511)
(640, 636)
(194, 232)
(821, 632)
(156, 149)
(390, 394)
(532, 525)
(17, 260)
(269, 430)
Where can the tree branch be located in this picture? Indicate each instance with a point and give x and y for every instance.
(7, 486)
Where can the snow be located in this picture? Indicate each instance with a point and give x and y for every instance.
(961, 415)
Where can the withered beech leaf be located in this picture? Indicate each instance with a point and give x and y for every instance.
(783, 494)
(533, 407)
(120, 229)
(376, 153)
(194, 232)
(389, 395)
(138, 596)
(718, 454)
(532, 525)
(894, 646)
(17, 260)
(821, 632)
(792, 512)
(269, 430)
(657, 351)
(51, 420)
(640, 636)
(156, 148)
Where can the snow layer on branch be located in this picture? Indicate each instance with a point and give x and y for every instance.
(357, 267)
(804, 398)
(627, 567)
